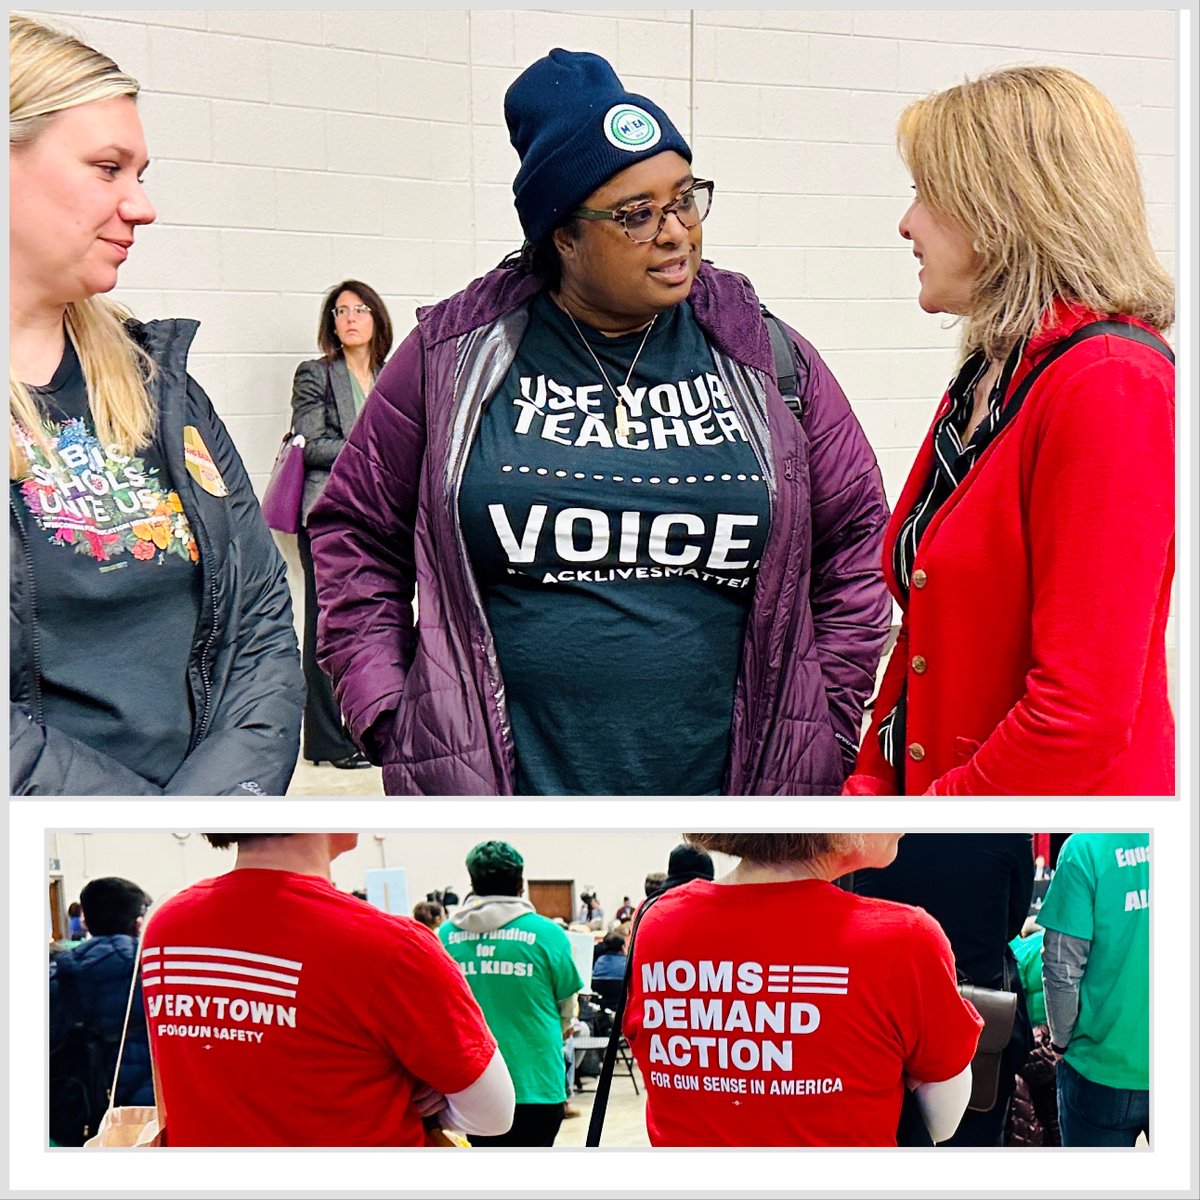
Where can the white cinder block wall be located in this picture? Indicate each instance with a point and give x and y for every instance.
(615, 863)
(293, 148)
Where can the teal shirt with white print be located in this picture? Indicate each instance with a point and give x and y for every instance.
(1101, 893)
(520, 974)
(617, 568)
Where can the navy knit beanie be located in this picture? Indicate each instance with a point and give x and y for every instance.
(575, 126)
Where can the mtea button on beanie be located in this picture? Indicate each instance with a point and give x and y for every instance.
(575, 126)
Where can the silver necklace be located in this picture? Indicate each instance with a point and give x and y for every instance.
(621, 409)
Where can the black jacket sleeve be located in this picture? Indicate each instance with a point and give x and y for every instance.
(310, 415)
(253, 739)
(1020, 891)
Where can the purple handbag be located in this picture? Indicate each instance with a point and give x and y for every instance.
(285, 489)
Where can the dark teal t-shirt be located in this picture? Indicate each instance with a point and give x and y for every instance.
(118, 587)
(616, 571)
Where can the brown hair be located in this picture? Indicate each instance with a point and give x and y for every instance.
(327, 338)
(776, 847)
(1037, 166)
(222, 841)
(429, 912)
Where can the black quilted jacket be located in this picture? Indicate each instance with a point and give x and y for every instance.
(244, 674)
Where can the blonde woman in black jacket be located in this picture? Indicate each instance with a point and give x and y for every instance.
(151, 642)
(354, 333)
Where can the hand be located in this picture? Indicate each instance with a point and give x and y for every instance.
(427, 1102)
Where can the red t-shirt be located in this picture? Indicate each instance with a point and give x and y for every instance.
(283, 1012)
(787, 1014)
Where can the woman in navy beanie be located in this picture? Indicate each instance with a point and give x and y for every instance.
(638, 570)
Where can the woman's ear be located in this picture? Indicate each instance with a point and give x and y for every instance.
(564, 243)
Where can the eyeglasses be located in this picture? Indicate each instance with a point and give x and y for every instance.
(344, 310)
(644, 222)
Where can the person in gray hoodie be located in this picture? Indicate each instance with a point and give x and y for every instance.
(520, 969)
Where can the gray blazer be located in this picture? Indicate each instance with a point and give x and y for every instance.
(323, 411)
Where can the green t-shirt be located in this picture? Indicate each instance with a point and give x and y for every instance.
(519, 973)
(1028, 952)
(356, 391)
(1101, 893)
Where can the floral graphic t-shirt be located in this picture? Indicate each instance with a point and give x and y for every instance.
(101, 502)
(116, 585)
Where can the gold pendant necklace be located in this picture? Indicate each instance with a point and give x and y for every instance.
(622, 414)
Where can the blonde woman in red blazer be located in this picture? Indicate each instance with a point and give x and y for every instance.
(1033, 546)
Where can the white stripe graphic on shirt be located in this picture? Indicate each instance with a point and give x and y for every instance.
(219, 968)
(215, 994)
(805, 979)
(181, 964)
(234, 984)
(219, 952)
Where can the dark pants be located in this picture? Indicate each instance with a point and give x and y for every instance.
(983, 1128)
(325, 736)
(1092, 1114)
(533, 1125)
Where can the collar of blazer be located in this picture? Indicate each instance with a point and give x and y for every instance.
(343, 394)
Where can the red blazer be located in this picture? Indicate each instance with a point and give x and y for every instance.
(1033, 642)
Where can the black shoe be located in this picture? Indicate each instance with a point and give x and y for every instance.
(352, 762)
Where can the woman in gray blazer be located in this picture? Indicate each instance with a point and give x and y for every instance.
(355, 336)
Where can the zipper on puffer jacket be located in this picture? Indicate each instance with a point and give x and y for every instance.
(457, 464)
(172, 417)
(35, 653)
(200, 725)
(738, 381)
(167, 343)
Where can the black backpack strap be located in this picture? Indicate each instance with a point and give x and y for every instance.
(788, 372)
(604, 1083)
(1131, 333)
(1121, 329)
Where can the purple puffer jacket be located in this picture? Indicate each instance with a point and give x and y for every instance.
(427, 701)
